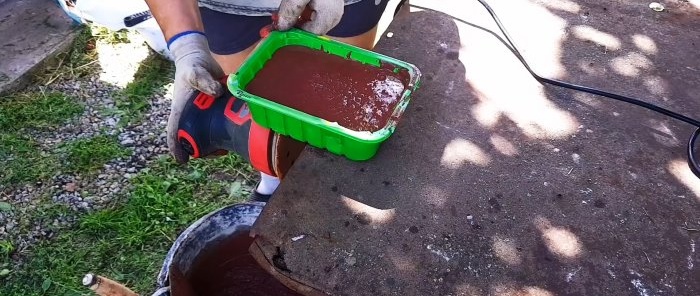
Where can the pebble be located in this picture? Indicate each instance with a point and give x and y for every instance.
(70, 187)
(350, 261)
(656, 6)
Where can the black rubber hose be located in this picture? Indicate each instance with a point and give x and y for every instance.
(508, 42)
(692, 157)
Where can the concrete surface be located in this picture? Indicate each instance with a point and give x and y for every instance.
(495, 185)
(30, 32)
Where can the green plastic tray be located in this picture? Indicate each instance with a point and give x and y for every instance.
(354, 145)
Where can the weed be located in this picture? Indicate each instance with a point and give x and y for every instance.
(36, 110)
(85, 155)
(153, 73)
(110, 37)
(128, 242)
(6, 248)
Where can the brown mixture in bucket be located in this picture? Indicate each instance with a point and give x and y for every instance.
(227, 269)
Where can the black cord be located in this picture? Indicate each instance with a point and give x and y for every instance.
(692, 157)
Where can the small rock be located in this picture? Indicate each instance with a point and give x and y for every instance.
(350, 261)
(70, 187)
(656, 6)
(576, 158)
(127, 142)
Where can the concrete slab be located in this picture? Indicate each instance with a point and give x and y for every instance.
(495, 185)
(30, 32)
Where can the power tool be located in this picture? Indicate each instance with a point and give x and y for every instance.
(214, 126)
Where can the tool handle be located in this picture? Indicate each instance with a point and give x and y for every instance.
(215, 126)
(210, 125)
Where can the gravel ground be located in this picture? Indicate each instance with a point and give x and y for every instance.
(87, 192)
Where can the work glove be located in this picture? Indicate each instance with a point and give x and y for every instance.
(195, 70)
(326, 15)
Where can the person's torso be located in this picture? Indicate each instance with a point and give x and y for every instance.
(248, 7)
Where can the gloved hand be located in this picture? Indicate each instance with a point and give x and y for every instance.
(195, 69)
(326, 14)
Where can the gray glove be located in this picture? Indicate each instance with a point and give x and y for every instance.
(326, 14)
(195, 69)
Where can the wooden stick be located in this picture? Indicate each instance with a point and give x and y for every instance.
(105, 287)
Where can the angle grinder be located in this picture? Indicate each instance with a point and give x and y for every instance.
(213, 126)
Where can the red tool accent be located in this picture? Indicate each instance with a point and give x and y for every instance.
(181, 134)
(303, 18)
(203, 101)
(259, 148)
(266, 30)
(239, 117)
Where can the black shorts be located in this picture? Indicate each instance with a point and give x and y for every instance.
(230, 33)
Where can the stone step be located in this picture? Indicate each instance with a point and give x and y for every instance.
(30, 32)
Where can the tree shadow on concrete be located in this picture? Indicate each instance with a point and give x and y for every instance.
(494, 184)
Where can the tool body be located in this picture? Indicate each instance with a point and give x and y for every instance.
(212, 126)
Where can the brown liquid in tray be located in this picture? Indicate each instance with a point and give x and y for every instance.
(356, 96)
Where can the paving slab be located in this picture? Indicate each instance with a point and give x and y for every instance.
(30, 32)
(496, 185)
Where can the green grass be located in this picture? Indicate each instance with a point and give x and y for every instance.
(36, 110)
(128, 241)
(6, 249)
(108, 36)
(22, 160)
(86, 155)
(153, 73)
(21, 157)
(79, 61)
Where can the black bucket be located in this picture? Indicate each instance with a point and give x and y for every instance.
(223, 233)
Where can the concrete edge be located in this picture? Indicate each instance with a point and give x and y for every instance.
(21, 81)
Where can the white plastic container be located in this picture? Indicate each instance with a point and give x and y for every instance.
(117, 15)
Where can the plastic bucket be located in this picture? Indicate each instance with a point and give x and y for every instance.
(210, 229)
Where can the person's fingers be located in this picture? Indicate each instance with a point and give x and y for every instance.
(181, 94)
(289, 13)
(326, 15)
(202, 80)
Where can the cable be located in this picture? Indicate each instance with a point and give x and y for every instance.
(693, 159)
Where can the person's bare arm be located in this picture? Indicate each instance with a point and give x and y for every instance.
(176, 16)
